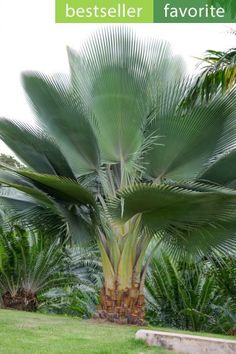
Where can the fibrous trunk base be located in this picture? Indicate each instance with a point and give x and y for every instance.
(123, 307)
(22, 300)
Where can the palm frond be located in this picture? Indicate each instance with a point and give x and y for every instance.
(35, 148)
(217, 74)
(65, 119)
(221, 169)
(115, 74)
(194, 219)
(189, 138)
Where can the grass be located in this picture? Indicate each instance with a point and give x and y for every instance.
(29, 333)
(23, 333)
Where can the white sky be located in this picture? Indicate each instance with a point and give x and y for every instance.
(30, 40)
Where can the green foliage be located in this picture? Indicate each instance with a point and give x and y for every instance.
(77, 301)
(85, 265)
(29, 262)
(115, 122)
(48, 201)
(224, 269)
(188, 295)
(120, 161)
(217, 74)
(81, 298)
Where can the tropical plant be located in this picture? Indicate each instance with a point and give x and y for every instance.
(217, 73)
(224, 269)
(217, 70)
(85, 265)
(189, 295)
(29, 265)
(78, 299)
(117, 151)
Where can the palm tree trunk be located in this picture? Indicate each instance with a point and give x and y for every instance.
(22, 300)
(122, 306)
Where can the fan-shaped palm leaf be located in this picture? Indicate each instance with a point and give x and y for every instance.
(35, 148)
(65, 120)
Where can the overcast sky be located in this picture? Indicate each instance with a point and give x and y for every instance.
(30, 40)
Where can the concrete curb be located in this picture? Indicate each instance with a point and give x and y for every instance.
(187, 344)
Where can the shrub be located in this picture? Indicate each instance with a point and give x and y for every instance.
(189, 295)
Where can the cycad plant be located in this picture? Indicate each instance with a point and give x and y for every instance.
(188, 295)
(114, 149)
(29, 265)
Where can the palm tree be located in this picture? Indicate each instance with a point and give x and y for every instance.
(218, 73)
(119, 161)
(217, 70)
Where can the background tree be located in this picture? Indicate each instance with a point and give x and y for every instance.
(10, 161)
(217, 74)
(118, 152)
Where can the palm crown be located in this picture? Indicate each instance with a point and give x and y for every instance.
(116, 149)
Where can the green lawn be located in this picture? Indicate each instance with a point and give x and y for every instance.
(22, 333)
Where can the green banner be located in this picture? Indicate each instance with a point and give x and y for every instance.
(195, 11)
(146, 11)
(104, 11)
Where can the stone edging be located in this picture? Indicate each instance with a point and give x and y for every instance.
(187, 344)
